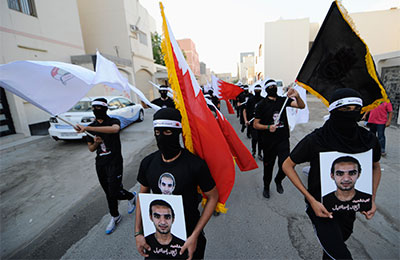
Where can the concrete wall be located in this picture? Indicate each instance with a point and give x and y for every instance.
(55, 34)
(380, 30)
(106, 26)
(286, 47)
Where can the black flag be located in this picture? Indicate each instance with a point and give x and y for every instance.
(339, 58)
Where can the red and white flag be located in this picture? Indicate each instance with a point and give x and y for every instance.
(225, 91)
(201, 132)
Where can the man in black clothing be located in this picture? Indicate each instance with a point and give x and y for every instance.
(214, 99)
(275, 131)
(164, 245)
(241, 104)
(340, 133)
(109, 163)
(248, 116)
(345, 171)
(164, 101)
(189, 172)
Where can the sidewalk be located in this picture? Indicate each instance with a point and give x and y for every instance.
(17, 140)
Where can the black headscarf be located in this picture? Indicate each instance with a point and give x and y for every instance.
(341, 132)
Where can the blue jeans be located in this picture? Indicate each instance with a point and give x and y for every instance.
(380, 128)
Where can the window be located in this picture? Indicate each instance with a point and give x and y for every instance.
(114, 104)
(142, 38)
(23, 6)
(125, 102)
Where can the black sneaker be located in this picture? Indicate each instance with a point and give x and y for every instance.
(266, 193)
(279, 188)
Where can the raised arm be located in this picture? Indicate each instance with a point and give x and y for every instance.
(319, 209)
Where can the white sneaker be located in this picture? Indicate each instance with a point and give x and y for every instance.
(113, 222)
(132, 204)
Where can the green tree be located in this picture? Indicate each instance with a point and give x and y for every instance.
(157, 53)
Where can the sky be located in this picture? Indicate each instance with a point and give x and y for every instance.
(222, 29)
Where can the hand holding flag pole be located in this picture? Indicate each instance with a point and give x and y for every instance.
(71, 124)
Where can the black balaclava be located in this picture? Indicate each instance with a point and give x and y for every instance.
(102, 112)
(257, 91)
(163, 91)
(341, 132)
(271, 88)
(168, 145)
(246, 89)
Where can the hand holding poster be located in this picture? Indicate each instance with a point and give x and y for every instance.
(164, 225)
(346, 181)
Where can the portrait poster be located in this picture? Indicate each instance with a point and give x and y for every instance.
(163, 220)
(346, 181)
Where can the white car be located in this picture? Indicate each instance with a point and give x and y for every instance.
(118, 107)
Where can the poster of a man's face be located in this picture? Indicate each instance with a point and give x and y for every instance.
(349, 186)
(166, 183)
(163, 223)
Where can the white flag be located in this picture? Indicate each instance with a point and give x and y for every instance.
(295, 115)
(52, 86)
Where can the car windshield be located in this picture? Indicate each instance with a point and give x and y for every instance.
(81, 106)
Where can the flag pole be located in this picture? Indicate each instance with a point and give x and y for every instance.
(71, 124)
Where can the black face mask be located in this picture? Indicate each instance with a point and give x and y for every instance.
(163, 94)
(257, 93)
(168, 145)
(100, 113)
(272, 91)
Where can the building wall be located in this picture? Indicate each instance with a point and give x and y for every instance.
(45, 37)
(192, 57)
(225, 77)
(286, 46)
(247, 67)
(106, 26)
(380, 30)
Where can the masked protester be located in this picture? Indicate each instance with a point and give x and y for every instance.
(164, 101)
(340, 133)
(274, 131)
(188, 171)
(241, 104)
(109, 163)
(248, 116)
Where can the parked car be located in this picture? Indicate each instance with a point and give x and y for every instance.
(118, 107)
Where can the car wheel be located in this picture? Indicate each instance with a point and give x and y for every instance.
(141, 116)
(55, 138)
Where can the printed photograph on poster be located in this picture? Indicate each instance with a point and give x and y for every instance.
(346, 181)
(163, 224)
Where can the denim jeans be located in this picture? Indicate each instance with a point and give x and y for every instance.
(380, 128)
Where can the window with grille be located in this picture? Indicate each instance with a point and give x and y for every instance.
(23, 6)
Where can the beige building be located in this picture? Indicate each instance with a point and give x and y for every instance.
(122, 30)
(227, 77)
(247, 68)
(41, 30)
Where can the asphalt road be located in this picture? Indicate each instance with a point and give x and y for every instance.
(253, 228)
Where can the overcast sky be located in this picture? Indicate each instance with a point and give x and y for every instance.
(222, 29)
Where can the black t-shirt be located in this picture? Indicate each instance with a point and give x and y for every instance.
(267, 110)
(170, 251)
(109, 151)
(164, 103)
(251, 105)
(188, 171)
(360, 202)
(308, 150)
